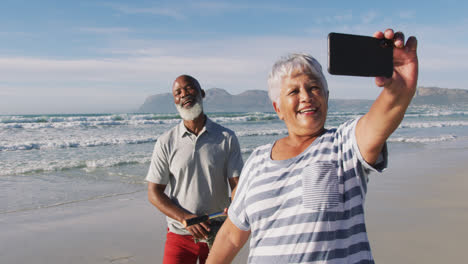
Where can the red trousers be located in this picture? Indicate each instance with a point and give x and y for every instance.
(181, 249)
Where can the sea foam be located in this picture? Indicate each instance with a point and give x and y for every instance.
(84, 142)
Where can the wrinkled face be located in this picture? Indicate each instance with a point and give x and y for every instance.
(188, 97)
(185, 92)
(303, 104)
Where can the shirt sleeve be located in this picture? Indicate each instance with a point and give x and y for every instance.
(234, 162)
(382, 160)
(237, 213)
(159, 167)
(353, 160)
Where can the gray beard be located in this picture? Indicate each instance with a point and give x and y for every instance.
(191, 113)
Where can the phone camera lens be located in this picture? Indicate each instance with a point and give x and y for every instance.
(385, 43)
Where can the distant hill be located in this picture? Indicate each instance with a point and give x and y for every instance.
(158, 103)
(216, 100)
(219, 100)
(440, 96)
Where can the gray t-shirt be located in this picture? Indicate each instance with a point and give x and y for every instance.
(196, 168)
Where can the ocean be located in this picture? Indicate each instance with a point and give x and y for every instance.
(52, 160)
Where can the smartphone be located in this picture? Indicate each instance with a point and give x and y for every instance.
(356, 55)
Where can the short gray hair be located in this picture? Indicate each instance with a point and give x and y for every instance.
(285, 66)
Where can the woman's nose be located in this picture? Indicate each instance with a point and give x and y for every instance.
(305, 95)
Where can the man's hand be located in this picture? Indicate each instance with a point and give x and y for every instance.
(198, 231)
(159, 199)
(228, 242)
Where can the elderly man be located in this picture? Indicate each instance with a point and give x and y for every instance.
(196, 160)
(302, 197)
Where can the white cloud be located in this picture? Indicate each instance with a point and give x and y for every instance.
(440, 58)
(345, 16)
(105, 30)
(183, 10)
(236, 63)
(113, 70)
(136, 68)
(159, 11)
(225, 6)
(233, 64)
(220, 6)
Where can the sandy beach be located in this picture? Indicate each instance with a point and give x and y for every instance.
(119, 229)
(416, 213)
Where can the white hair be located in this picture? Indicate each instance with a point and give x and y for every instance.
(193, 112)
(285, 66)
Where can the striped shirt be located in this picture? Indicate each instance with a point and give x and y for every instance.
(310, 208)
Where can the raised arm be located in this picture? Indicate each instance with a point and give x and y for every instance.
(389, 108)
(158, 198)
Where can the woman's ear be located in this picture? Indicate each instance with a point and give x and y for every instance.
(277, 110)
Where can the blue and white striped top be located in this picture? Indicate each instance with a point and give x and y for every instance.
(310, 208)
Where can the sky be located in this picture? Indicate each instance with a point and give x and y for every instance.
(94, 56)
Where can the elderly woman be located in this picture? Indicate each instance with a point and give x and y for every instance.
(302, 197)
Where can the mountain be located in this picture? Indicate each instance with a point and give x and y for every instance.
(158, 103)
(216, 100)
(440, 96)
(219, 100)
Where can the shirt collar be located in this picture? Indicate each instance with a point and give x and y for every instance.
(183, 131)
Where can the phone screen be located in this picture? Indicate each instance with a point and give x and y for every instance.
(359, 55)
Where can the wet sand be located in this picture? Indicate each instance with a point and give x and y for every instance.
(417, 212)
(121, 229)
